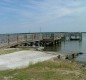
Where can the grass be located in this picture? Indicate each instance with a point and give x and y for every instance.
(8, 50)
(48, 70)
(11, 50)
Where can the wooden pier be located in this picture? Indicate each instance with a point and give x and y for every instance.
(37, 39)
(73, 36)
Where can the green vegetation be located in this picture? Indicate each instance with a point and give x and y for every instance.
(8, 50)
(11, 50)
(48, 70)
(26, 48)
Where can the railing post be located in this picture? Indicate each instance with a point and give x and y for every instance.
(26, 37)
(17, 38)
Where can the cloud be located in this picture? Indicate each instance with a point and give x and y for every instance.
(39, 8)
(36, 13)
(50, 11)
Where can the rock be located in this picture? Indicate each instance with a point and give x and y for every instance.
(40, 48)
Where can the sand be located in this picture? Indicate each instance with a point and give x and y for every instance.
(22, 59)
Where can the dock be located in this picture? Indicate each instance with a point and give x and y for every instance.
(37, 39)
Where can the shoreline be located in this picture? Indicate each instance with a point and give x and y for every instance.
(43, 66)
(24, 58)
(47, 70)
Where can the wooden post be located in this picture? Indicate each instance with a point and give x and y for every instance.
(17, 38)
(8, 39)
(33, 37)
(81, 36)
(26, 37)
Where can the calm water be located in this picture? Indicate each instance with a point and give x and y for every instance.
(73, 46)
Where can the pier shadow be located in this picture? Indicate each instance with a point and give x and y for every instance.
(52, 48)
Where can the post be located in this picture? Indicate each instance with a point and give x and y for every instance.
(81, 36)
(8, 39)
(17, 38)
(26, 37)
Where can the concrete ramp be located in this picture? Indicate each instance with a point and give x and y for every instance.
(22, 59)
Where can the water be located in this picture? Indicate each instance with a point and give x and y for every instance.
(68, 47)
(74, 46)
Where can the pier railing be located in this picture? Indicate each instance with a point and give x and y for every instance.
(12, 39)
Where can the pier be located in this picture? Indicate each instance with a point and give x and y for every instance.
(37, 39)
(73, 36)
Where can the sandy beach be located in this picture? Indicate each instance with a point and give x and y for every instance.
(22, 59)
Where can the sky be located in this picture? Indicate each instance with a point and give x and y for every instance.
(22, 16)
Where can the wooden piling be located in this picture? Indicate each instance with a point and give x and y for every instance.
(8, 39)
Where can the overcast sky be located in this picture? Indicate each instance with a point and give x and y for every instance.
(50, 15)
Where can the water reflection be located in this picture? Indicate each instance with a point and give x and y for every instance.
(75, 46)
(71, 46)
(53, 48)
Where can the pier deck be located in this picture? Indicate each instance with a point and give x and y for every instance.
(42, 39)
